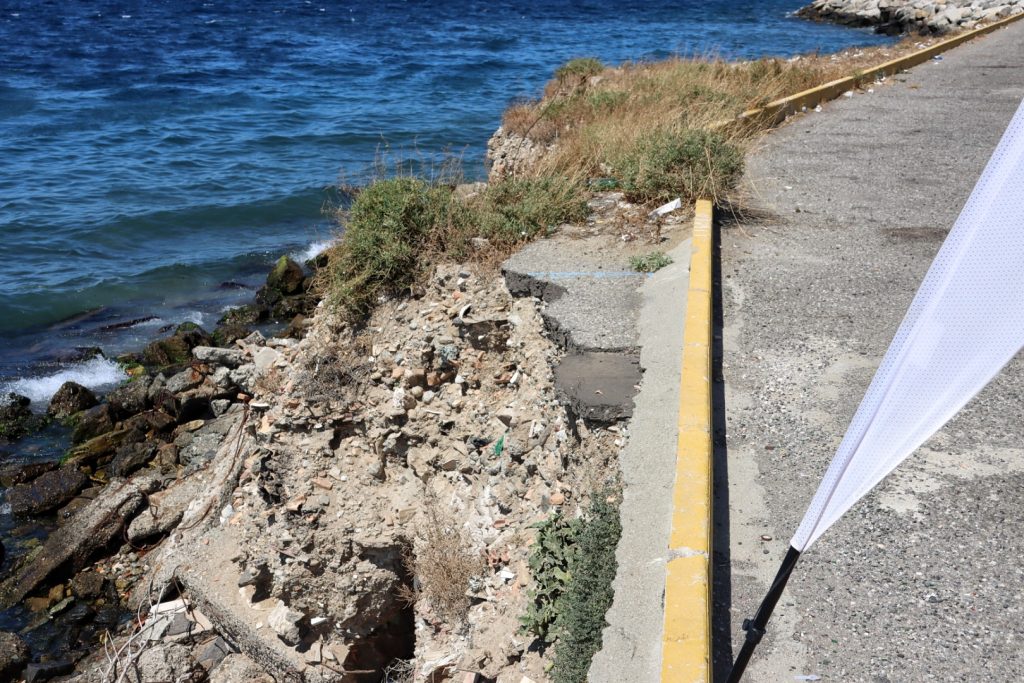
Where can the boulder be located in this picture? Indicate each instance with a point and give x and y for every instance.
(47, 492)
(176, 349)
(13, 656)
(284, 621)
(131, 457)
(95, 449)
(150, 420)
(237, 667)
(227, 333)
(166, 508)
(212, 355)
(91, 423)
(87, 585)
(249, 314)
(131, 398)
(44, 671)
(183, 381)
(71, 398)
(19, 473)
(16, 418)
(165, 662)
(286, 277)
(74, 544)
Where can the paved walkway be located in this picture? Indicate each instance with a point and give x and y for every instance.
(923, 579)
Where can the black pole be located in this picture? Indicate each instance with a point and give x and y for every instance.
(755, 627)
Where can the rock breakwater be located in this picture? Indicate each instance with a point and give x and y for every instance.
(912, 16)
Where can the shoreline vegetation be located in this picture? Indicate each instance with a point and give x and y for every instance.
(392, 488)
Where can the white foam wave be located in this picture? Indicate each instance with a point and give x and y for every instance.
(196, 317)
(95, 373)
(313, 250)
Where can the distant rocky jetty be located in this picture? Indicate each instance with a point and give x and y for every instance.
(911, 16)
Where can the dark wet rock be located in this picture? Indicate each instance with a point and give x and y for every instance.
(47, 492)
(91, 423)
(176, 349)
(74, 544)
(155, 421)
(80, 613)
(16, 418)
(286, 277)
(212, 653)
(87, 585)
(131, 398)
(71, 398)
(93, 450)
(231, 284)
(44, 671)
(131, 457)
(228, 333)
(19, 473)
(291, 306)
(13, 656)
(250, 314)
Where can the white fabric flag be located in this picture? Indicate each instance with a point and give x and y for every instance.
(964, 324)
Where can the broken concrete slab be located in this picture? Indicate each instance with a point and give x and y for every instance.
(599, 387)
(91, 528)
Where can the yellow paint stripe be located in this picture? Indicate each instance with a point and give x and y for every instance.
(777, 111)
(686, 643)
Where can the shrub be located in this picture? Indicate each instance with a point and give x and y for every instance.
(648, 263)
(398, 228)
(390, 223)
(579, 68)
(514, 210)
(573, 565)
(689, 164)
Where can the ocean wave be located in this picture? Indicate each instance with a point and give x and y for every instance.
(312, 251)
(96, 373)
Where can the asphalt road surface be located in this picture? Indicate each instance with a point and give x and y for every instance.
(922, 580)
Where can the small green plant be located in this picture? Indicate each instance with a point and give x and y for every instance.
(579, 68)
(551, 560)
(648, 263)
(690, 163)
(590, 592)
(573, 565)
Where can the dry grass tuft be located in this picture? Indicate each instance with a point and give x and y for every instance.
(443, 564)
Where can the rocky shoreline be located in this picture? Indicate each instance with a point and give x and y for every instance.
(912, 16)
(285, 508)
(184, 393)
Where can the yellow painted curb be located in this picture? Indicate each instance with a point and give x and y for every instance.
(777, 111)
(686, 643)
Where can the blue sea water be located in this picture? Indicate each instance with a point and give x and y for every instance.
(151, 151)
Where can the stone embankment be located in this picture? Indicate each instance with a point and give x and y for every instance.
(912, 16)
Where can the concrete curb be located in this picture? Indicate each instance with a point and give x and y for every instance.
(686, 643)
(779, 110)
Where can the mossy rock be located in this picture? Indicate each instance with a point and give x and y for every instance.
(227, 334)
(17, 419)
(249, 314)
(286, 277)
(176, 349)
